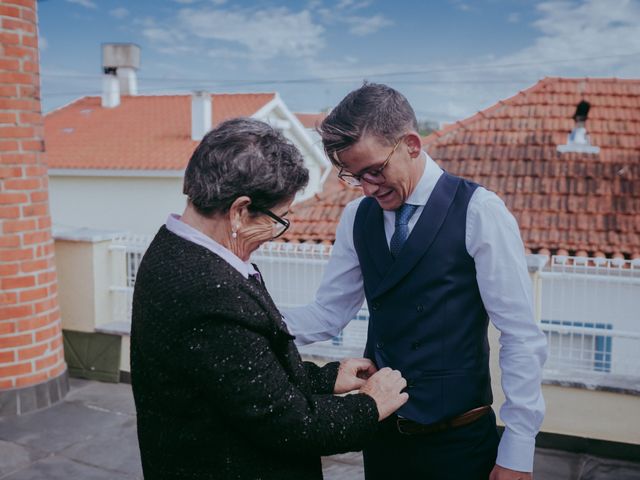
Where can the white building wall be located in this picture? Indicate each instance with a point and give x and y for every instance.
(315, 173)
(132, 204)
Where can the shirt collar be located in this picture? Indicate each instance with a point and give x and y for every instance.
(176, 225)
(427, 182)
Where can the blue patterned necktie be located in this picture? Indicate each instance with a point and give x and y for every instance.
(401, 233)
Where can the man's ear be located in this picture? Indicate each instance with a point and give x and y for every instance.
(414, 144)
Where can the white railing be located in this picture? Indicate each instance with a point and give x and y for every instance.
(588, 308)
(126, 254)
(293, 273)
(590, 312)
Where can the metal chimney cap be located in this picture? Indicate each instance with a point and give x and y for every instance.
(582, 111)
(117, 55)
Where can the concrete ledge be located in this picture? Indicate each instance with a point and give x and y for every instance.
(73, 234)
(19, 401)
(604, 383)
(115, 328)
(591, 446)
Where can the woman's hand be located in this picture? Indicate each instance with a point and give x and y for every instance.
(353, 374)
(385, 388)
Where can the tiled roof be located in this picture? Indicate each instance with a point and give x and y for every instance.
(147, 132)
(563, 201)
(311, 120)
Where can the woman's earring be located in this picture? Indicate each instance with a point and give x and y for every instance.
(234, 235)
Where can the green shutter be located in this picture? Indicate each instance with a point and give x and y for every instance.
(95, 356)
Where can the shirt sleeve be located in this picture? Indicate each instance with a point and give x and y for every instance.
(493, 240)
(341, 292)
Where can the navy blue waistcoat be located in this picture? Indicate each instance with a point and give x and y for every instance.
(426, 315)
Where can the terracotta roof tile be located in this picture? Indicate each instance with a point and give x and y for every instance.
(147, 132)
(311, 120)
(567, 201)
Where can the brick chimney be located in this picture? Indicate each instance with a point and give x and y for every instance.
(33, 373)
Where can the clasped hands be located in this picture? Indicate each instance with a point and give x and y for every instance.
(384, 386)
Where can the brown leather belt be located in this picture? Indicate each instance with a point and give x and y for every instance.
(409, 427)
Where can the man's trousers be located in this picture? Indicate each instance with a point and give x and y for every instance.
(463, 453)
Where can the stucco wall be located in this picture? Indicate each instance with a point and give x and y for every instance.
(138, 205)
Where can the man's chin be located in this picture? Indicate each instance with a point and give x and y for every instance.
(389, 202)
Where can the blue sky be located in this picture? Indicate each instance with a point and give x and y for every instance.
(450, 57)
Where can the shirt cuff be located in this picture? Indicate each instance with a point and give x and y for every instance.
(515, 452)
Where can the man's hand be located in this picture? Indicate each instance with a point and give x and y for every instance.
(501, 473)
(353, 374)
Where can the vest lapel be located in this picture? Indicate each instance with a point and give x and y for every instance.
(377, 245)
(423, 233)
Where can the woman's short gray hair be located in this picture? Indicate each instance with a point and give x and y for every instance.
(239, 157)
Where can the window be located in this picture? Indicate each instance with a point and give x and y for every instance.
(578, 345)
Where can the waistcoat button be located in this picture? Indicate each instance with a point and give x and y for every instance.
(420, 308)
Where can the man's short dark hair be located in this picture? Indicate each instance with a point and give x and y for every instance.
(240, 157)
(373, 109)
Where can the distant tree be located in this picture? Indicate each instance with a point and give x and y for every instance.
(426, 127)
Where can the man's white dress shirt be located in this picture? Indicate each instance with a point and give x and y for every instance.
(493, 240)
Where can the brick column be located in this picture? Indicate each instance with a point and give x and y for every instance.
(33, 373)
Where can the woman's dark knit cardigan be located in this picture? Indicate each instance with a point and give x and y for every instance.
(219, 386)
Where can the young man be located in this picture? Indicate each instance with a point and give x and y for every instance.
(436, 257)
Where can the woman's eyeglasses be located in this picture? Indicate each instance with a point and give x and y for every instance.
(281, 225)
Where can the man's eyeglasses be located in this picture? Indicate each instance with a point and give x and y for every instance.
(374, 177)
(281, 225)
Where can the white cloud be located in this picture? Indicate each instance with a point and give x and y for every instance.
(226, 54)
(577, 38)
(42, 43)
(352, 4)
(357, 25)
(256, 34)
(119, 12)
(362, 26)
(601, 31)
(587, 38)
(160, 35)
(145, 22)
(343, 13)
(462, 6)
(84, 3)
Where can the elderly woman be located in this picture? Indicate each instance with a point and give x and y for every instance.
(220, 389)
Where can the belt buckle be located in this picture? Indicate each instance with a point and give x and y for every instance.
(399, 425)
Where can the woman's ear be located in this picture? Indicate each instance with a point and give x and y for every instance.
(238, 211)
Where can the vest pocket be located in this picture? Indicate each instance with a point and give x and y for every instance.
(426, 401)
(439, 394)
(466, 391)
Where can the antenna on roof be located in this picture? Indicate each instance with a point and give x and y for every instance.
(578, 139)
